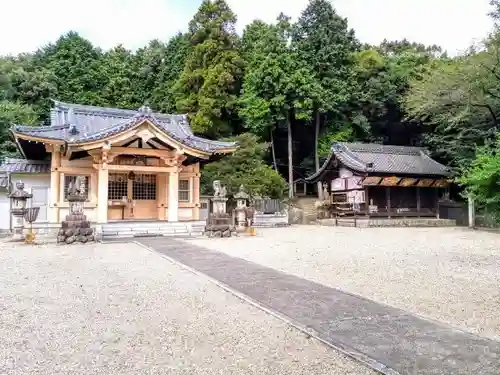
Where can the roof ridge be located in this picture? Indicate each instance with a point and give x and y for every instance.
(111, 111)
(21, 160)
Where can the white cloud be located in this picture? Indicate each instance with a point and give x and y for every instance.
(32, 23)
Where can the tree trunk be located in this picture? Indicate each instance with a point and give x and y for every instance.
(290, 156)
(316, 155)
(275, 165)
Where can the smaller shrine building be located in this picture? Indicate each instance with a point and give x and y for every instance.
(136, 165)
(382, 180)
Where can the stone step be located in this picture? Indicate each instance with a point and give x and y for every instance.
(152, 229)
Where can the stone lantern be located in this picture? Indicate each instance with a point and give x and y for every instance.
(18, 199)
(241, 205)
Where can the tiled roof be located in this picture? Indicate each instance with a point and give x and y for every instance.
(75, 123)
(374, 158)
(24, 166)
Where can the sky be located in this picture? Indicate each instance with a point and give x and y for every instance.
(30, 24)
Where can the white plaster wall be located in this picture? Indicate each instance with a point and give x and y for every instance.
(345, 173)
(4, 211)
(39, 181)
(185, 213)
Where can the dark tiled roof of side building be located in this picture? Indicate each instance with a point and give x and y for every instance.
(11, 165)
(375, 158)
(75, 123)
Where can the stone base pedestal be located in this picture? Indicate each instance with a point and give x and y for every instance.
(219, 205)
(18, 228)
(76, 227)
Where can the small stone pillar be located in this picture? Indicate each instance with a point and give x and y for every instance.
(219, 199)
(19, 198)
(241, 204)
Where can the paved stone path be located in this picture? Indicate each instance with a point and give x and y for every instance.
(388, 339)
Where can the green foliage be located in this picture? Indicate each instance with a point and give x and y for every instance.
(293, 85)
(77, 69)
(326, 45)
(120, 89)
(459, 101)
(245, 167)
(208, 87)
(344, 134)
(13, 113)
(482, 178)
(163, 94)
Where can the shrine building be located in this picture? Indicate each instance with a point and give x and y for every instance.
(136, 165)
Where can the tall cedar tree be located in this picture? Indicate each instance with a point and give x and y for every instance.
(324, 41)
(163, 96)
(149, 62)
(256, 44)
(209, 85)
(121, 75)
(278, 87)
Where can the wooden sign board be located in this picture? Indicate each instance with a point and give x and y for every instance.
(390, 181)
(405, 182)
(371, 181)
(441, 183)
(425, 182)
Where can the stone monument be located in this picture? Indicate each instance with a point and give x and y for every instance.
(219, 199)
(241, 198)
(219, 223)
(76, 227)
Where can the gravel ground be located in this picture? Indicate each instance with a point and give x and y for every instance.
(120, 309)
(446, 274)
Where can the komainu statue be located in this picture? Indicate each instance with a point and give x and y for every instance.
(219, 190)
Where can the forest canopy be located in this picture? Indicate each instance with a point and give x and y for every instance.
(286, 90)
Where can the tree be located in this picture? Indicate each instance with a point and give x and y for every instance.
(13, 113)
(482, 178)
(209, 85)
(149, 62)
(278, 87)
(77, 68)
(163, 95)
(21, 80)
(326, 44)
(245, 167)
(459, 101)
(121, 79)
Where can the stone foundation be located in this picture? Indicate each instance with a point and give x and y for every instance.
(384, 222)
(270, 220)
(76, 228)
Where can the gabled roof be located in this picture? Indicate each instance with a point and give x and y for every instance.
(375, 158)
(78, 124)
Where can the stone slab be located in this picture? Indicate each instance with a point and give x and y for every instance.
(391, 340)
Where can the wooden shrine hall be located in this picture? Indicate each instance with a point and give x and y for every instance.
(382, 180)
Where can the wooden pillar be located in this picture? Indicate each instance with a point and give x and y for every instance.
(418, 200)
(161, 195)
(102, 194)
(436, 201)
(173, 196)
(196, 197)
(367, 201)
(55, 186)
(388, 199)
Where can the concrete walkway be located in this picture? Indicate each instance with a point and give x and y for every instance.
(390, 340)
